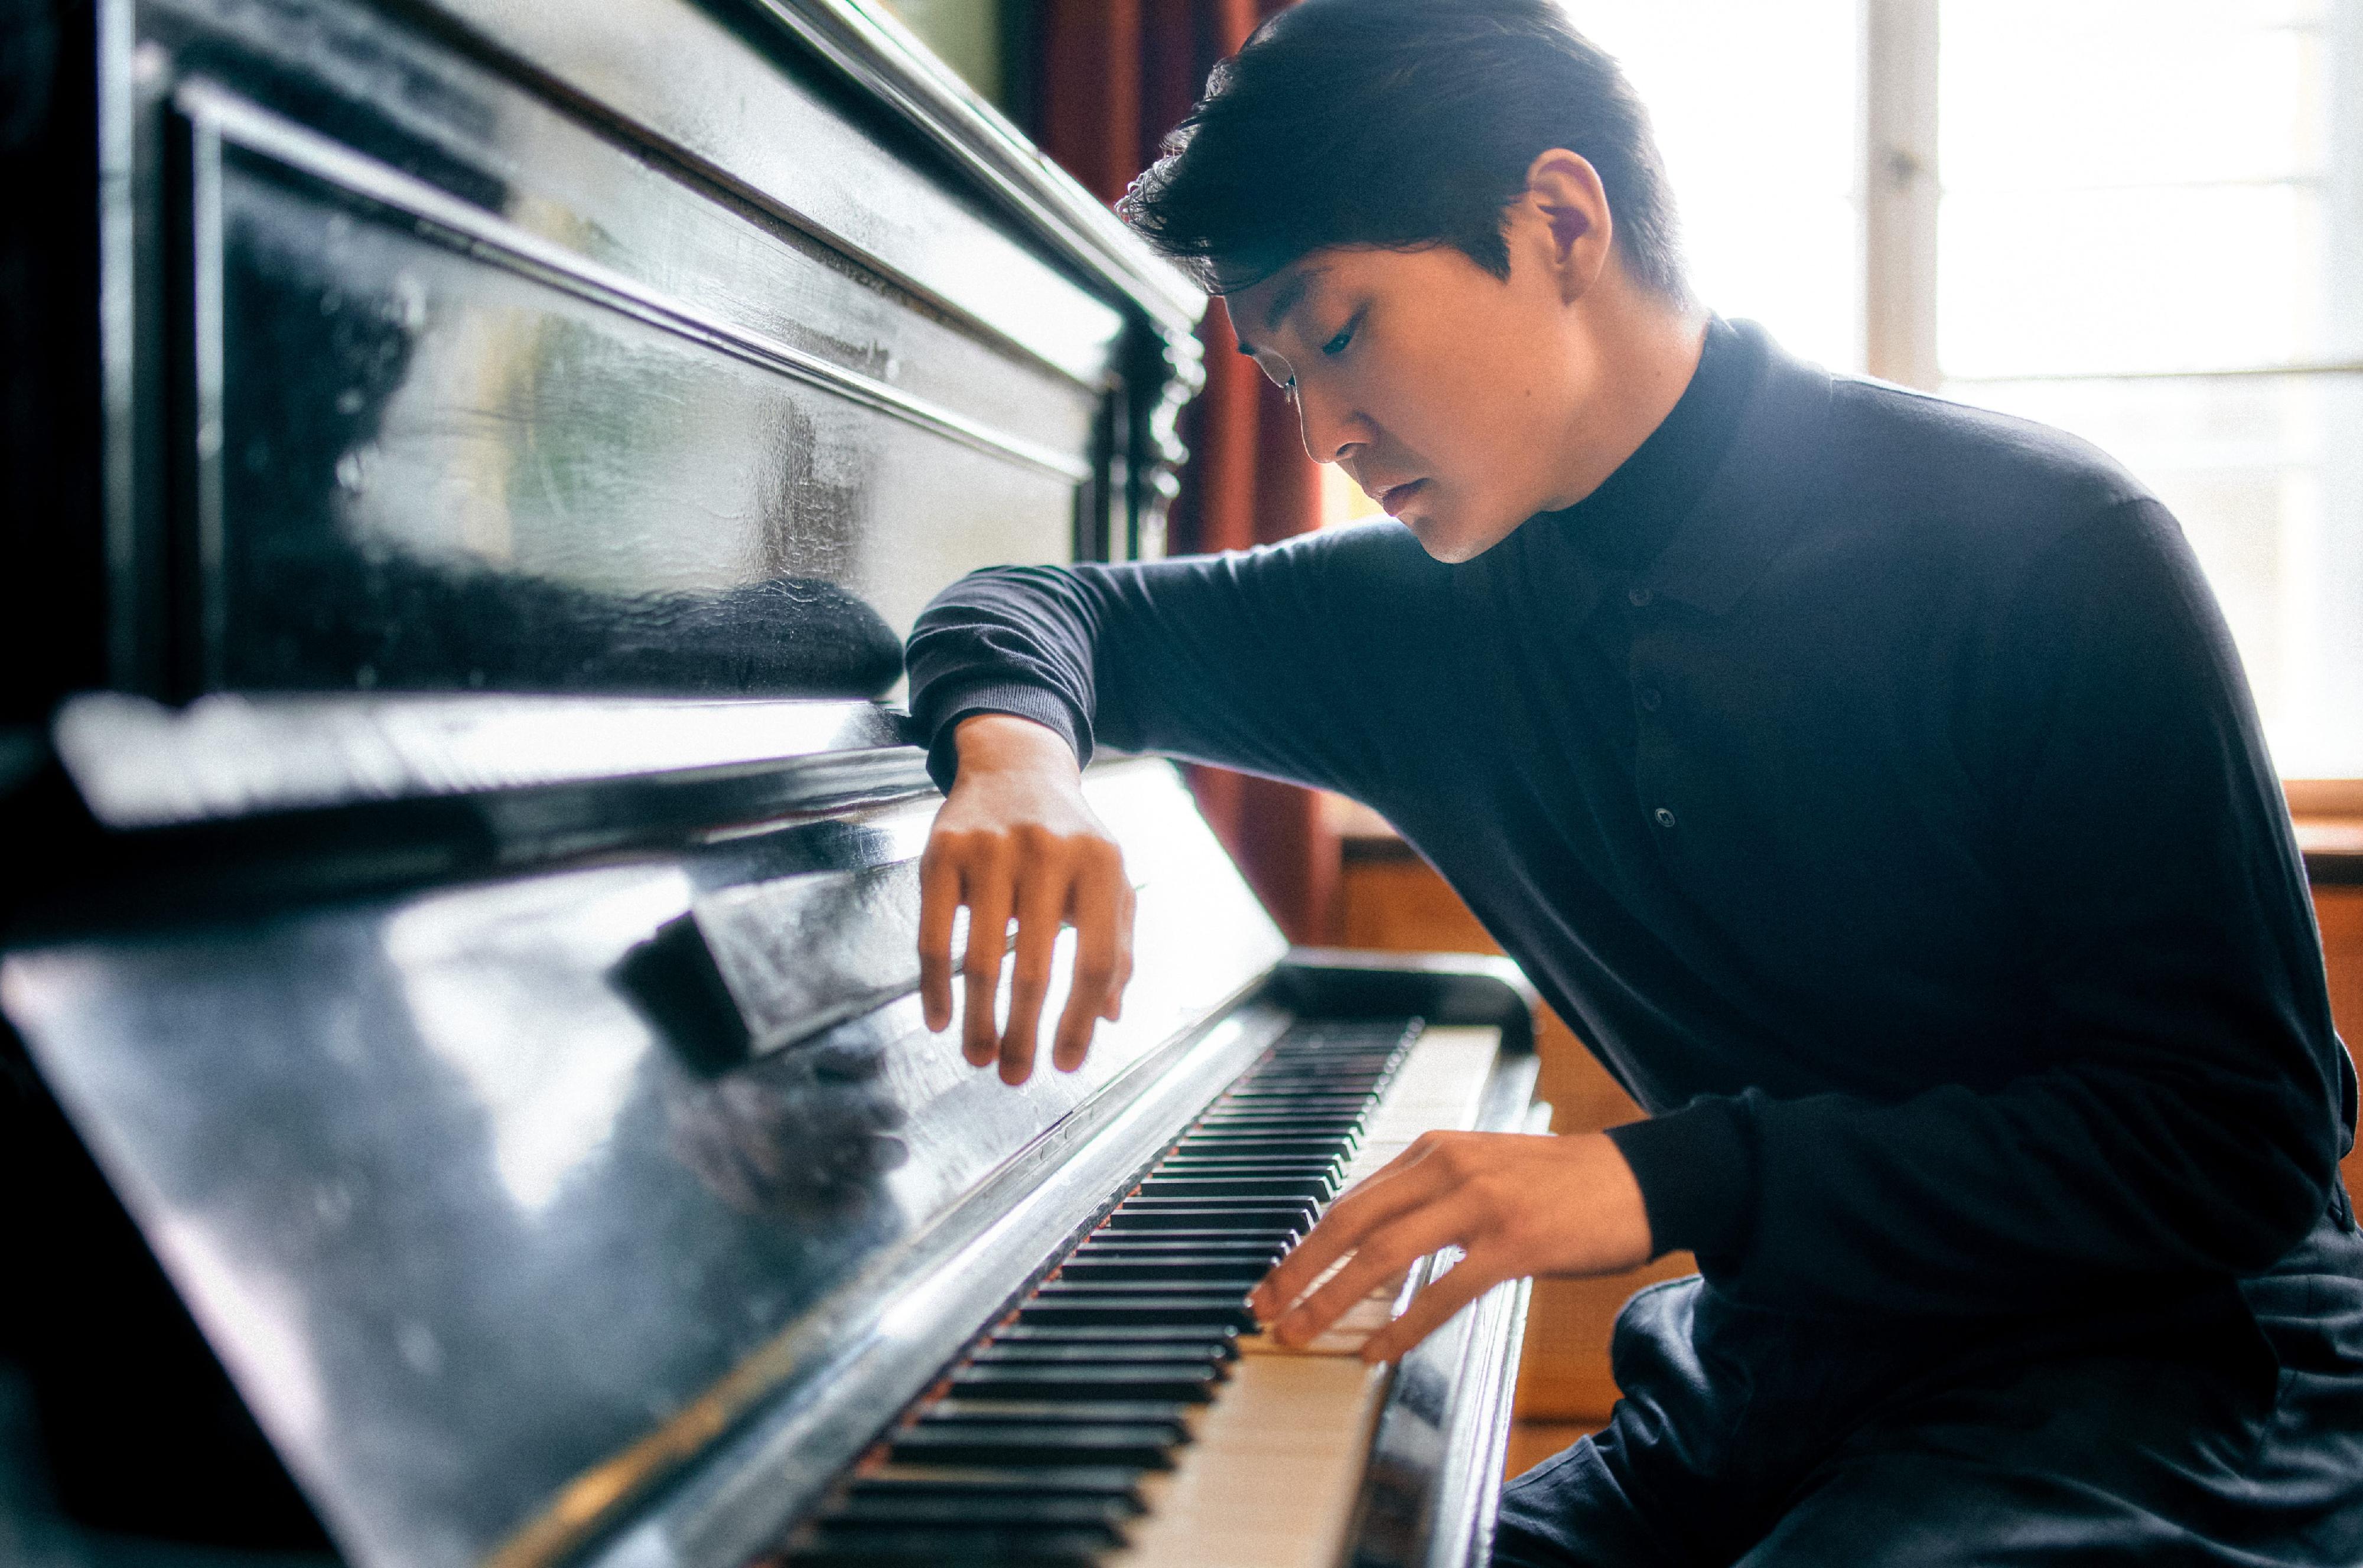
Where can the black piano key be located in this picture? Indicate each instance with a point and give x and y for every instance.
(1280, 1209)
(1325, 1147)
(1196, 1217)
(1229, 1238)
(1113, 1482)
(1162, 1185)
(1249, 1163)
(1010, 1507)
(1174, 1383)
(1018, 1442)
(1122, 1355)
(1273, 1211)
(1157, 1243)
(1222, 1268)
(1338, 1139)
(1052, 1290)
(1217, 1340)
(1243, 1273)
(974, 1408)
(1227, 1309)
(856, 1545)
(1352, 1104)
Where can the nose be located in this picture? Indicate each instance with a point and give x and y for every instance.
(1330, 432)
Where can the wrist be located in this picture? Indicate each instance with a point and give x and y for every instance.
(1004, 743)
(1621, 1212)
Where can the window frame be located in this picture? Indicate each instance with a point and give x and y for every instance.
(1902, 196)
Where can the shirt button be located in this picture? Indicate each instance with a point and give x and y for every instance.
(1665, 818)
(1650, 699)
(1638, 596)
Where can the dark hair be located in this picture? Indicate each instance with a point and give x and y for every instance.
(1400, 124)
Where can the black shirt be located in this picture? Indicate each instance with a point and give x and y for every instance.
(1870, 780)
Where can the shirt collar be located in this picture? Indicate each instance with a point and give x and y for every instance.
(1753, 506)
(1745, 516)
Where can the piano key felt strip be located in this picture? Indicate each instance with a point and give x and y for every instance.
(1033, 1450)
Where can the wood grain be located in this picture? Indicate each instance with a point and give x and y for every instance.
(2340, 912)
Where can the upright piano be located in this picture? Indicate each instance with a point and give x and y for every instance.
(465, 1095)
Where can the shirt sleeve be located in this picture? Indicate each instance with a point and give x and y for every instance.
(2190, 1099)
(1262, 660)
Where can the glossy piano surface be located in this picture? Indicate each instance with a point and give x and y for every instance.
(467, 347)
(463, 871)
(468, 1224)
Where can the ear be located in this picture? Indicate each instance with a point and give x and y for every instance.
(1564, 193)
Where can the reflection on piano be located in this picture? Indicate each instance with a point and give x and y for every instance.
(472, 925)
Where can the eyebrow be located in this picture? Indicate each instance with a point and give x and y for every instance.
(1291, 294)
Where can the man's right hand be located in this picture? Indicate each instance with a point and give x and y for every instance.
(1016, 838)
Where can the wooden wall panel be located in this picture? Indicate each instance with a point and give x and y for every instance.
(2340, 910)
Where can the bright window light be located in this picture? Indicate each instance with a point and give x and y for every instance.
(2151, 235)
(1757, 112)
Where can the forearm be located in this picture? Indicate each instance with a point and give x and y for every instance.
(1248, 661)
(2075, 1184)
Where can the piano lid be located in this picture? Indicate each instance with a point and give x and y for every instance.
(488, 1235)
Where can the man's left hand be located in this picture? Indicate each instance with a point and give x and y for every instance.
(1514, 1203)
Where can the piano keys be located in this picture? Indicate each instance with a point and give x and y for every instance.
(467, 842)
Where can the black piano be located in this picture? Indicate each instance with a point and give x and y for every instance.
(474, 462)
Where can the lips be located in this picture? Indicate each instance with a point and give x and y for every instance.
(1391, 498)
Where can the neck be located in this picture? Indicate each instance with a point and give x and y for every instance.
(1640, 353)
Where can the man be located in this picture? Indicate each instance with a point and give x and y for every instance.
(1870, 780)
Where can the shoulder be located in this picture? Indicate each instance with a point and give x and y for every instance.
(1969, 480)
(1380, 549)
(1341, 570)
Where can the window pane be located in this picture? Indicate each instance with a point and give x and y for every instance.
(2071, 93)
(2035, 282)
(2156, 186)
(1755, 110)
(2266, 474)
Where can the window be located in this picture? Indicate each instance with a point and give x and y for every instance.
(1756, 110)
(2139, 220)
(2150, 234)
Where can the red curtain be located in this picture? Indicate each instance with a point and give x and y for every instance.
(1114, 76)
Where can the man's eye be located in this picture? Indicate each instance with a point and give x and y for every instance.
(1346, 334)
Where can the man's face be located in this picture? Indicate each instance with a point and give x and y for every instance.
(1448, 394)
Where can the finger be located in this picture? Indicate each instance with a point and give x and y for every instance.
(1378, 1261)
(1040, 899)
(1434, 1307)
(1362, 1210)
(985, 882)
(939, 903)
(1096, 912)
(1114, 1008)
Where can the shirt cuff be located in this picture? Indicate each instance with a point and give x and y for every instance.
(1039, 703)
(1696, 1167)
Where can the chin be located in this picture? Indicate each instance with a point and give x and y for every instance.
(1453, 540)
